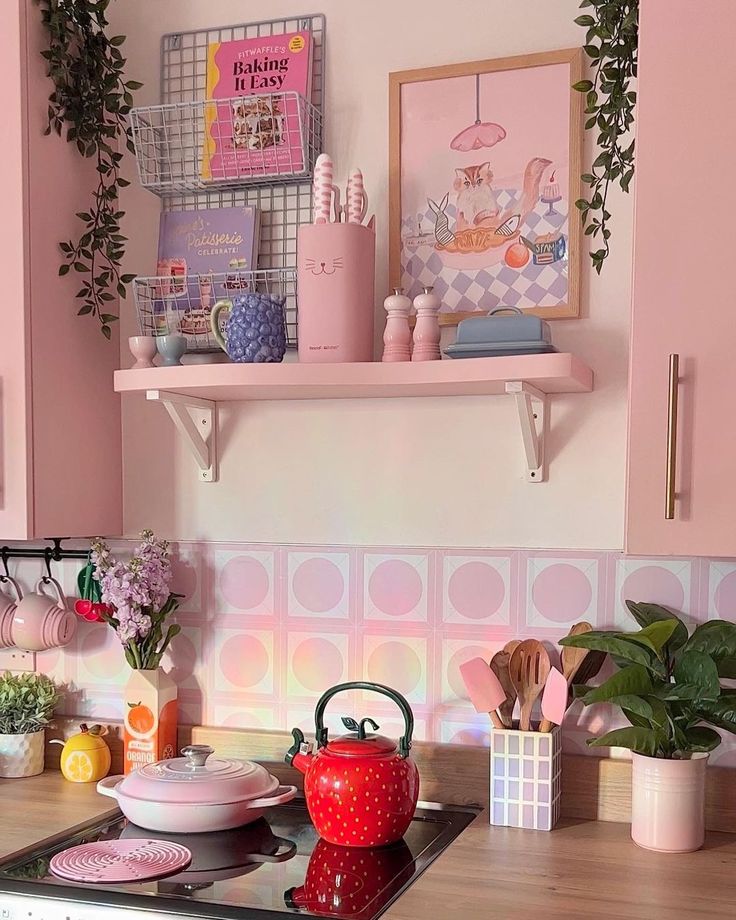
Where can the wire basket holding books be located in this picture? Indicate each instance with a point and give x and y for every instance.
(182, 303)
(196, 145)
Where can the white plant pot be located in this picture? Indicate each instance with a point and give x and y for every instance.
(22, 755)
(668, 803)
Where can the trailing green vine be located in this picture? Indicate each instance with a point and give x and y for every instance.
(91, 98)
(611, 43)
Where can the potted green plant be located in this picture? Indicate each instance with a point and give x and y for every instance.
(27, 702)
(668, 685)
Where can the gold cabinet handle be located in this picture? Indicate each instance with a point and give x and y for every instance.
(672, 393)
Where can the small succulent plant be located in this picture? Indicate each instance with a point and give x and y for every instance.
(27, 702)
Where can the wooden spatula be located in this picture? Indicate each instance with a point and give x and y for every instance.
(500, 667)
(572, 658)
(554, 701)
(484, 688)
(529, 667)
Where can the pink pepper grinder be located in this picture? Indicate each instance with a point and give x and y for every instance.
(397, 335)
(427, 328)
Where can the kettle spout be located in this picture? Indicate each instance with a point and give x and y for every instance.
(299, 754)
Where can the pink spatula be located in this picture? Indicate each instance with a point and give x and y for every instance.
(554, 701)
(484, 688)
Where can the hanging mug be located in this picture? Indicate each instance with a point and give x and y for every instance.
(40, 622)
(7, 611)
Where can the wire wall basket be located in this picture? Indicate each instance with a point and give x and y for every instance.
(184, 54)
(190, 144)
(269, 144)
(169, 304)
(270, 139)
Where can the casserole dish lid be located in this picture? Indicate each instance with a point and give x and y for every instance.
(198, 779)
(504, 324)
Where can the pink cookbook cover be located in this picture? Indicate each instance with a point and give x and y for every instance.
(256, 129)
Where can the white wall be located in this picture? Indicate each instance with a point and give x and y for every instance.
(425, 471)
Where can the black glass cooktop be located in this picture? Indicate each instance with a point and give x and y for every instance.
(265, 869)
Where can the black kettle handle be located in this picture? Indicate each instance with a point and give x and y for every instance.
(321, 731)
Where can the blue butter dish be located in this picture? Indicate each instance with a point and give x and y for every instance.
(496, 328)
(497, 349)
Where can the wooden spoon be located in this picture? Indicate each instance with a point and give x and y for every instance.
(529, 668)
(572, 658)
(511, 646)
(590, 667)
(500, 667)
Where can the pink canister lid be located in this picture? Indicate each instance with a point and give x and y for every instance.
(198, 779)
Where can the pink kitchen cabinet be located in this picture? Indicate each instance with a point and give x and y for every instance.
(60, 442)
(684, 301)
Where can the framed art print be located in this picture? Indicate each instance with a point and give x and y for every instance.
(484, 174)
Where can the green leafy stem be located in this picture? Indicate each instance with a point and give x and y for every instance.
(611, 43)
(668, 683)
(146, 653)
(92, 99)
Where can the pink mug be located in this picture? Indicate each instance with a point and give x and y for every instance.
(41, 623)
(7, 612)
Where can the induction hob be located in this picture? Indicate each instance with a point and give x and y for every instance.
(262, 871)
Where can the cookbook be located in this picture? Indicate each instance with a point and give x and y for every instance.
(256, 128)
(199, 249)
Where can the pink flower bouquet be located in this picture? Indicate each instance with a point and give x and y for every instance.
(138, 594)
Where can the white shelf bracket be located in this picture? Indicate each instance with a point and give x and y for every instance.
(196, 421)
(531, 404)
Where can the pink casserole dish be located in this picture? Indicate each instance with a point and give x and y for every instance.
(196, 794)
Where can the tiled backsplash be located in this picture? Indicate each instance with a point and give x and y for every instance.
(267, 628)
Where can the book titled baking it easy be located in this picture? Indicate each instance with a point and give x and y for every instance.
(256, 129)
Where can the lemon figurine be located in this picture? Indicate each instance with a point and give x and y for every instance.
(86, 756)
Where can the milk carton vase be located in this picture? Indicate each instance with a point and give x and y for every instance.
(150, 719)
(336, 269)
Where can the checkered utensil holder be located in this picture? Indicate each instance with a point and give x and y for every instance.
(526, 778)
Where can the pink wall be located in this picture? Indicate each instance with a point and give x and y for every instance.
(268, 628)
(449, 471)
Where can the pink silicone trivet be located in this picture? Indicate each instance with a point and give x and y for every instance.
(110, 861)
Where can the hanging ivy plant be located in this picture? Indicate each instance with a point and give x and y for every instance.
(611, 43)
(91, 99)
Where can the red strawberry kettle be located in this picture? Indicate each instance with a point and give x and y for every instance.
(361, 789)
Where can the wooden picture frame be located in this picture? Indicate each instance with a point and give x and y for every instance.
(452, 250)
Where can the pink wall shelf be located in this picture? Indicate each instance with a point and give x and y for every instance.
(553, 373)
(190, 393)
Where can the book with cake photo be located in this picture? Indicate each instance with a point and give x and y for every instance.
(204, 256)
(257, 125)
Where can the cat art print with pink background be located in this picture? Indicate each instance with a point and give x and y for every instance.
(485, 197)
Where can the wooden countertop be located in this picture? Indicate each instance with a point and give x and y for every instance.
(39, 808)
(587, 870)
(583, 869)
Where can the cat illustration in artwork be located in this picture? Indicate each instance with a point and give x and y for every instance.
(477, 204)
(476, 199)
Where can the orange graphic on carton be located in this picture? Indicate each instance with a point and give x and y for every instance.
(150, 721)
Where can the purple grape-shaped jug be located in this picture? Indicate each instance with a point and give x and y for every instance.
(255, 330)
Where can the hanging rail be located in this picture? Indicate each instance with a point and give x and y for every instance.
(54, 553)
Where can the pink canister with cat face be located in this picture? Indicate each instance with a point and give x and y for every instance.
(336, 271)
